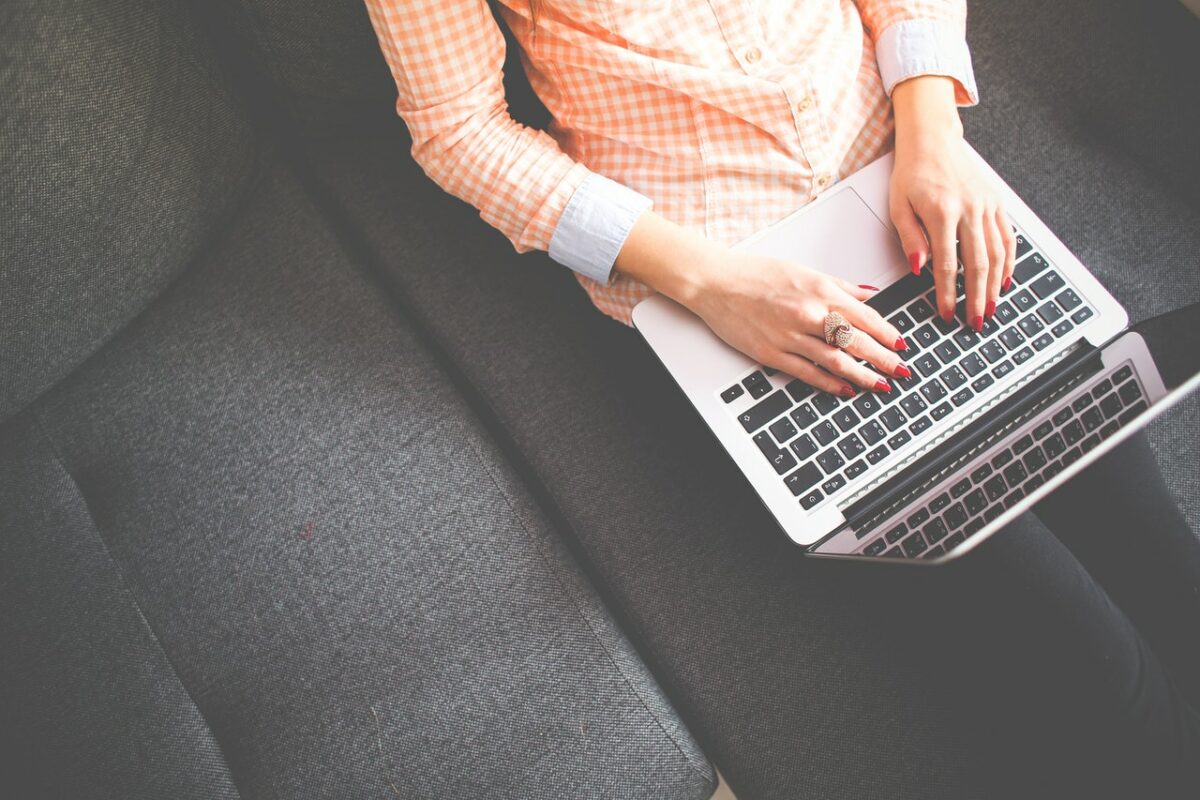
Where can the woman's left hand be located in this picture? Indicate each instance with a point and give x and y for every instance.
(942, 200)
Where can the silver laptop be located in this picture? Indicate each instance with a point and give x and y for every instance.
(987, 425)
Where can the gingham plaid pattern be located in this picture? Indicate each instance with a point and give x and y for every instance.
(728, 114)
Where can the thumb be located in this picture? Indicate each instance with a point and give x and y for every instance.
(912, 235)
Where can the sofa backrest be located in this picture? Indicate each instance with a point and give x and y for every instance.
(120, 151)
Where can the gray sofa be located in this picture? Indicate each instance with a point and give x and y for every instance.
(310, 487)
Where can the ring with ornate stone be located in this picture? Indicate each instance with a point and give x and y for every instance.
(838, 332)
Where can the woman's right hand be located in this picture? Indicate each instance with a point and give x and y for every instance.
(774, 312)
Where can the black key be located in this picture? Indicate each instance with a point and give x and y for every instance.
(1047, 285)
(1022, 355)
(1015, 473)
(804, 416)
(1062, 329)
(966, 339)
(877, 455)
(824, 402)
(953, 542)
(1049, 312)
(799, 390)
(1054, 446)
(1062, 416)
(1109, 429)
(1132, 412)
(1071, 456)
(803, 479)
(1081, 315)
(812, 498)
(1012, 338)
(1002, 459)
(912, 405)
(783, 461)
(846, 419)
(833, 484)
(1090, 442)
(1043, 430)
(905, 383)
(927, 365)
(982, 382)
(989, 328)
(1111, 406)
(1092, 419)
(1013, 498)
(1029, 267)
(1023, 301)
(960, 488)
(830, 461)
(875, 548)
(824, 433)
(1081, 402)
(1068, 299)
(973, 526)
(867, 404)
(896, 534)
(953, 378)
(893, 418)
(962, 396)
(1034, 460)
(1005, 313)
(1102, 388)
(1052, 470)
(1123, 373)
(982, 472)
(944, 327)
(924, 336)
(995, 488)
(764, 411)
(975, 502)
(939, 502)
(902, 322)
(1023, 246)
(940, 411)
(764, 443)
(851, 446)
(872, 433)
(935, 531)
(770, 371)
(992, 351)
(1031, 325)
(854, 470)
(1022, 444)
(783, 430)
(918, 518)
(895, 552)
(732, 393)
(993, 512)
(933, 391)
(1033, 484)
(1042, 342)
(897, 294)
(947, 352)
(956, 516)
(914, 545)
(920, 311)
(920, 426)
(973, 364)
(1073, 432)
(804, 447)
(899, 440)
(1129, 392)
(756, 384)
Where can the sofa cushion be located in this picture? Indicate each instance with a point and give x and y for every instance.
(120, 150)
(303, 567)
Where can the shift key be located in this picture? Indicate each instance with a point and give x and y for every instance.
(764, 411)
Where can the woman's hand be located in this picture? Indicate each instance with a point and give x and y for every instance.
(942, 201)
(771, 310)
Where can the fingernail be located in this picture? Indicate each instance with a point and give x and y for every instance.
(902, 371)
(915, 261)
(868, 287)
(882, 386)
(977, 324)
(990, 309)
(847, 391)
(947, 316)
(1006, 284)
(900, 344)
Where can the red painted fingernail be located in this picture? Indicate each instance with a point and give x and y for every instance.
(1006, 284)
(847, 391)
(990, 309)
(900, 344)
(902, 371)
(915, 261)
(868, 287)
(882, 386)
(977, 324)
(947, 316)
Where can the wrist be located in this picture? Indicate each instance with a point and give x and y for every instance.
(926, 113)
(677, 262)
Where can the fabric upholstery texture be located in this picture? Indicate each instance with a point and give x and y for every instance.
(122, 150)
(343, 572)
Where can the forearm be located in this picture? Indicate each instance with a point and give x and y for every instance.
(669, 258)
(925, 112)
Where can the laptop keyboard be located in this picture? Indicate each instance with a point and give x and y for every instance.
(818, 443)
(1006, 472)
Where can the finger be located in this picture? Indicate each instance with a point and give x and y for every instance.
(870, 322)
(912, 235)
(975, 265)
(1010, 250)
(859, 291)
(997, 255)
(878, 356)
(841, 363)
(799, 367)
(945, 263)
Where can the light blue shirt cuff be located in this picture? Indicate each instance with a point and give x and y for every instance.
(594, 225)
(924, 47)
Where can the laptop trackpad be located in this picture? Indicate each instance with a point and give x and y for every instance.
(839, 235)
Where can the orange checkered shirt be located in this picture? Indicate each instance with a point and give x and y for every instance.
(724, 115)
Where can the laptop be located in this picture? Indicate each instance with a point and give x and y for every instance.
(988, 424)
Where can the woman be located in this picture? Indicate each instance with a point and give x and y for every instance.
(681, 127)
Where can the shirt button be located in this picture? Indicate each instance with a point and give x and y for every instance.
(824, 180)
(752, 55)
(805, 104)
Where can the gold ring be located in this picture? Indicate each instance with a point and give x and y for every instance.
(838, 332)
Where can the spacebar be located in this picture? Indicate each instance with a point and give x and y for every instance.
(900, 292)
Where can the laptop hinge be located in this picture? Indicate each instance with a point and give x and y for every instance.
(895, 493)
